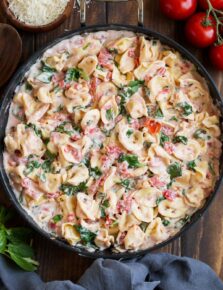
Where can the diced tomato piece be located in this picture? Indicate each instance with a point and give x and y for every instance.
(169, 194)
(169, 147)
(114, 150)
(132, 53)
(76, 154)
(105, 59)
(156, 182)
(125, 204)
(93, 85)
(153, 126)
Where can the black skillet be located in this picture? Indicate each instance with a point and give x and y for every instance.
(18, 77)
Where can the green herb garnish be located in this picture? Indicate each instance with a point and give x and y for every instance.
(103, 206)
(129, 133)
(211, 168)
(30, 166)
(159, 113)
(126, 183)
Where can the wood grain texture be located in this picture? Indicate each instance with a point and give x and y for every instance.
(204, 240)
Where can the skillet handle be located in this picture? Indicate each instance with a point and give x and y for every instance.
(83, 10)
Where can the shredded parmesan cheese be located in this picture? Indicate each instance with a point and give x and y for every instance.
(37, 12)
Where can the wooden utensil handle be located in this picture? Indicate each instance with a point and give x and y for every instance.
(83, 10)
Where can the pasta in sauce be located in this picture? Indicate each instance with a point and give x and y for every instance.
(112, 141)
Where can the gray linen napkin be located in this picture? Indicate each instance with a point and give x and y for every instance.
(151, 272)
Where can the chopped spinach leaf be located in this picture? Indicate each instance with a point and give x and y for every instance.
(159, 113)
(30, 166)
(103, 206)
(127, 183)
(185, 220)
(87, 237)
(163, 139)
(174, 170)
(143, 226)
(159, 199)
(180, 139)
(109, 115)
(186, 108)
(174, 119)
(95, 172)
(47, 68)
(211, 168)
(71, 189)
(132, 160)
(57, 218)
(36, 130)
(201, 134)
(129, 133)
(165, 223)
(191, 165)
(73, 74)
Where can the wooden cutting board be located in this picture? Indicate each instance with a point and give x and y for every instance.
(10, 51)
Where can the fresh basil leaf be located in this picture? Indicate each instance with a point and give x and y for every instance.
(71, 189)
(191, 165)
(87, 237)
(132, 160)
(180, 139)
(19, 235)
(5, 214)
(174, 170)
(21, 249)
(163, 139)
(25, 263)
(3, 239)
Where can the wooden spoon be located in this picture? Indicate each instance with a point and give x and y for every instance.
(32, 28)
(10, 51)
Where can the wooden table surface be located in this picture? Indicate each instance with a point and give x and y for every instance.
(204, 240)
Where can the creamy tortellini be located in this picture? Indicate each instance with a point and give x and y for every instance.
(112, 141)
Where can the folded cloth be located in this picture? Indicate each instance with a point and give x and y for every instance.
(153, 271)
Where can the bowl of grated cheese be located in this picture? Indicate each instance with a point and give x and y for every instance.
(37, 15)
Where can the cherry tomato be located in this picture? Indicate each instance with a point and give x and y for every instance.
(178, 9)
(198, 32)
(153, 126)
(216, 56)
(217, 4)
